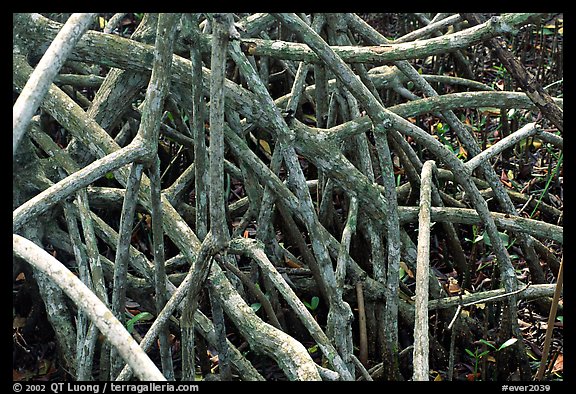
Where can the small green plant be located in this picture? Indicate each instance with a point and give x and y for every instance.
(314, 302)
(256, 305)
(142, 316)
(484, 237)
(475, 237)
(313, 349)
(477, 355)
(552, 176)
(441, 130)
(503, 236)
(502, 75)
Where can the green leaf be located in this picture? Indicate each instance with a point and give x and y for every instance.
(503, 236)
(309, 118)
(314, 302)
(485, 342)
(560, 318)
(109, 175)
(401, 273)
(256, 306)
(470, 353)
(441, 128)
(505, 239)
(313, 349)
(141, 316)
(509, 342)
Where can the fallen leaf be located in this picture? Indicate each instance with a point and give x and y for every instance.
(462, 152)
(148, 221)
(309, 119)
(265, 146)
(558, 364)
(18, 322)
(406, 269)
(471, 377)
(524, 324)
(453, 286)
(18, 376)
(44, 366)
(290, 263)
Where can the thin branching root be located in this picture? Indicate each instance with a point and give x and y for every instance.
(249, 197)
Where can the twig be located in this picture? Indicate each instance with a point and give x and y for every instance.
(456, 315)
(113, 22)
(530, 198)
(84, 343)
(118, 303)
(551, 320)
(527, 131)
(421, 366)
(431, 27)
(197, 127)
(159, 265)
(363, 341)
(95, 267)
(496, 297)
(452, 345)
(222, 23)
(361, 368)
